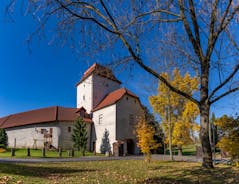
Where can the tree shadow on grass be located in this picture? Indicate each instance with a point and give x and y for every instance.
(194, 175)
(38, 171)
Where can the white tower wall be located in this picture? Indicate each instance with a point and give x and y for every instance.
(85, 94)
(93, 89)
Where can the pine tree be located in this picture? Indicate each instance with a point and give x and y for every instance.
(3, 139)
(79, 136)
(105, 144)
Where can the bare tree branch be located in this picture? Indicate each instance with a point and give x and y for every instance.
(108, 13)
(85, 18)
(224, 94)
(195, 23)
(158, 20)
(155, 74)
(225, 81)
(211, 38)
(196, 47)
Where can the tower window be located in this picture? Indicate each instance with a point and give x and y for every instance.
(83, 97)
(100, 118)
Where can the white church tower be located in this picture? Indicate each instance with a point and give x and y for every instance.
(95, 84)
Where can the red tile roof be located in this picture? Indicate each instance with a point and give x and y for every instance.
(99, 70)
(44, 115)
(113, 97)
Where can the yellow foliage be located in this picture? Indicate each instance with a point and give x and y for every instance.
(146, 142)
(2, 150)
(181, 111)
(229, 141)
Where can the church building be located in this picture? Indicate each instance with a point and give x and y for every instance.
(109, 111)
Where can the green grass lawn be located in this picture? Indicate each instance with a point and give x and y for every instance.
(22, 153)
(186, 150)
(110, 172)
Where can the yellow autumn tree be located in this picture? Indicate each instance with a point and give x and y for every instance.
(145, 134)
(178, 114)
(229, 135)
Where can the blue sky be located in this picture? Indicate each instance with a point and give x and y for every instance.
(47, 75)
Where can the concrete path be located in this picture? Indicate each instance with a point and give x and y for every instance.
(95, 158)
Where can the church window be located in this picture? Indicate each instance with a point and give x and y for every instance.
(131, 119)
(127, 98)
(69, 129)
(100, 118)
(83, 97)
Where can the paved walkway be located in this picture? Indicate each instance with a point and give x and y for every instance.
(95, 158)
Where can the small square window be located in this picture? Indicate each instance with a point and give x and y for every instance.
(69, 129)
(100, 118)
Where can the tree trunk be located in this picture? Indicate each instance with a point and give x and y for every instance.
(170, 134)
(204, 136)
(180, 151)
(170, 144)
(204, 116)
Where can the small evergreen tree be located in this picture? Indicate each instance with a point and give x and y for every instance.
(105, 143)
(3, 138)
(79, 136)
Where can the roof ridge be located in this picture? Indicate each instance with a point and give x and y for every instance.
(32, 110)
(92, 66)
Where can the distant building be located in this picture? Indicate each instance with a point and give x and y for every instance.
(101, 102)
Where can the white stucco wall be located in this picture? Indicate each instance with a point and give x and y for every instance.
(101, 87)
(65, 137)
(108, 122)
(126, 107)
(23, 136)
(84, 94)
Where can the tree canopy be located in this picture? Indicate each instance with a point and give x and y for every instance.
(178, 114)
(229, 135)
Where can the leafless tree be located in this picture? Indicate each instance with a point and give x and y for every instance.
(203, 34)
